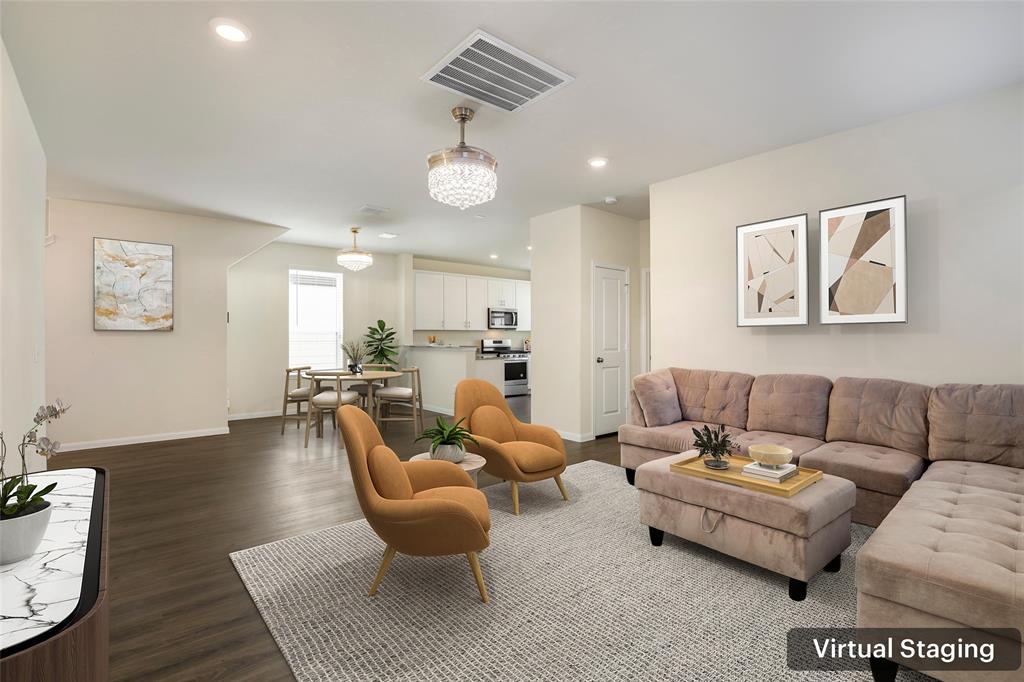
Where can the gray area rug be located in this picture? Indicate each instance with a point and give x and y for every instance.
(577, 593)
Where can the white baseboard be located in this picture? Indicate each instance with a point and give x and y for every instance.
(134, 440)
(439, 409)
(575, 437)
(255, 415)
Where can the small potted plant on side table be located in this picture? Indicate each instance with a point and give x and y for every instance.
(24, 511)
(447, 441)
(714, 445)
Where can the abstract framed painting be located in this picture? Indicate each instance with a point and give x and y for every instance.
(133, 286)
(864, 262)
(771, 272)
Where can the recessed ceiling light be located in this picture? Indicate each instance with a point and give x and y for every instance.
(529, 248)
(387, 235)
(597, 162)
(481, 216)
(231, 30)
(494, 256)
(611, 200)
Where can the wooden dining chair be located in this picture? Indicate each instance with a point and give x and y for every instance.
(361, 388)
(296, 396)
(327, 401)
(409, 396)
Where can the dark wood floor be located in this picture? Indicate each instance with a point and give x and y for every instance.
(178, 609)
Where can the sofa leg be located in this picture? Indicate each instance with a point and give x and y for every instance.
(797, 589)
(631, 476)
(474, 563)
(657, 535)
(561, 488)
(835, 565)
(883, 670)
(389, 554)
(515, 498)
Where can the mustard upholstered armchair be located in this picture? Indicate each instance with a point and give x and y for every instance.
(515, 451)
(426, 508)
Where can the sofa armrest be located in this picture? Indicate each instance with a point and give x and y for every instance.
(636, 414)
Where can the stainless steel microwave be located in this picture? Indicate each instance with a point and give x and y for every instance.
(502, 318)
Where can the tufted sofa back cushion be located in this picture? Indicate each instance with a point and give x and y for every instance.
(976, 423)
(714, 397)
(893, 414)
(790, 403)
(656, 393)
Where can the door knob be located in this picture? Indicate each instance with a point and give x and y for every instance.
(600, 359)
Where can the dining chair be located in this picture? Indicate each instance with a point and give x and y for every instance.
(296, 396)
(412, 397)
(361, 388)
(327, 401)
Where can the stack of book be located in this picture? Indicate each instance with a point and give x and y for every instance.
(766, 473)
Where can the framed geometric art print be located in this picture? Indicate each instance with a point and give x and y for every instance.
(133, 286)
(864, 262)
(771, 272)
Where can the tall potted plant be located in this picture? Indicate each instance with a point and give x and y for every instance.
(380, 344)
(448, 441)
(24, 510)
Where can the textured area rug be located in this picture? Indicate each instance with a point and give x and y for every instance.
(577, 593)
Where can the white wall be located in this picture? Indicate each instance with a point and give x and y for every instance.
(258, 301)
(22, 229)
(141, 386)
(962, 169)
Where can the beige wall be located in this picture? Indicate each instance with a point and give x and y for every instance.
(258, 301)
(22, 229)
(961, 169)
(566, 244)
(140, 386)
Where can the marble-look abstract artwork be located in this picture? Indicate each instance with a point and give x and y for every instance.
(36, 594)
(771, 268)
(133, 286)
(863, 256)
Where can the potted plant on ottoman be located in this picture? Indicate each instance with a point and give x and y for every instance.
(447, 441)
(24, 511)
(714, 445)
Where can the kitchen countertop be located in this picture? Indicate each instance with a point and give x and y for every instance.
(440, 347)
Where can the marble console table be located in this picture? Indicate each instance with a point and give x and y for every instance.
(53, 606)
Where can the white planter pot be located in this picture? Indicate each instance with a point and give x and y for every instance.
(449, 453)
(20, 536)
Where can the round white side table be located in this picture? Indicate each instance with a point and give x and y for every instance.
(471, 464)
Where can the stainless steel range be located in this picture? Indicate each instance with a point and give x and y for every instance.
(517, 364)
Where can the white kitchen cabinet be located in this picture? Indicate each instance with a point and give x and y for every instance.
(428, 300)
(476, 303)
(523, 306)
(501, 293)
(455, 302)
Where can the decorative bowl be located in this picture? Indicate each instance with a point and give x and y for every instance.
(770, 455)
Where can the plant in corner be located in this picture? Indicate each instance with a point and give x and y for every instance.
(714, 445)
(355, 351)
(380, 344)
(24, 510)
(448, 441)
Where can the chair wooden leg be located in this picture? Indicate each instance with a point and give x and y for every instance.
(389, 554)
(561, 488)
(474, 563)
(515, 498)
(284, 414)
(309, 423)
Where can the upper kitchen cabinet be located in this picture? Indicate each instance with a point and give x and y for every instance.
(455, 302)
(501, 293)
(523, 306)
(476, 303)
(428, 297)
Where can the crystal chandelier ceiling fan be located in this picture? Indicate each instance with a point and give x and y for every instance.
(462, 176)
(355, 259)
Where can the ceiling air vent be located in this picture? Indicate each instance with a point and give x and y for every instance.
(493, 72)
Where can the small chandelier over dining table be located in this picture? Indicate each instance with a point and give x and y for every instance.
(354, 259)
(462, 176)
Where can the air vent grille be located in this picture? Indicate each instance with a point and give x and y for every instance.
(493, 72)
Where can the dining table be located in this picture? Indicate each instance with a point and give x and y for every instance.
(369, 377)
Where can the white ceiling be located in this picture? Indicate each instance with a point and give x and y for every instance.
(323, 111)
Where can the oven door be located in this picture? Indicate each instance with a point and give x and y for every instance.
(516, 379)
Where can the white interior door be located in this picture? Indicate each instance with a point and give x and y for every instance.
(611, 348)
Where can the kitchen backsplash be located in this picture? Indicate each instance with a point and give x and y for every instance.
(464, 338)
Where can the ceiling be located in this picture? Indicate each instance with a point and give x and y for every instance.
(323, 110)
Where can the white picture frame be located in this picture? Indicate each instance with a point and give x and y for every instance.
(864, 258)
(755, 250)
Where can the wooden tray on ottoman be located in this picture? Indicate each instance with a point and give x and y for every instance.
(694, 466)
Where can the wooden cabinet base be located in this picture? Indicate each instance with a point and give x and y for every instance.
(78, 654)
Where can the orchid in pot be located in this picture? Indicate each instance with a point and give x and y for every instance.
(24, 510)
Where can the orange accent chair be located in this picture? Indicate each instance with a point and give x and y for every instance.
(428, 508)
(515, 451)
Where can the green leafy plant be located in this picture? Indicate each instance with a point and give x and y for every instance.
(447, 434)
(380, 344)
(713, 443)
(18, 497)
(355, 351)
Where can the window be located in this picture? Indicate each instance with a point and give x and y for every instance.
(314, 319)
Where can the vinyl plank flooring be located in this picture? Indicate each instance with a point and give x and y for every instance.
(178, 508)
